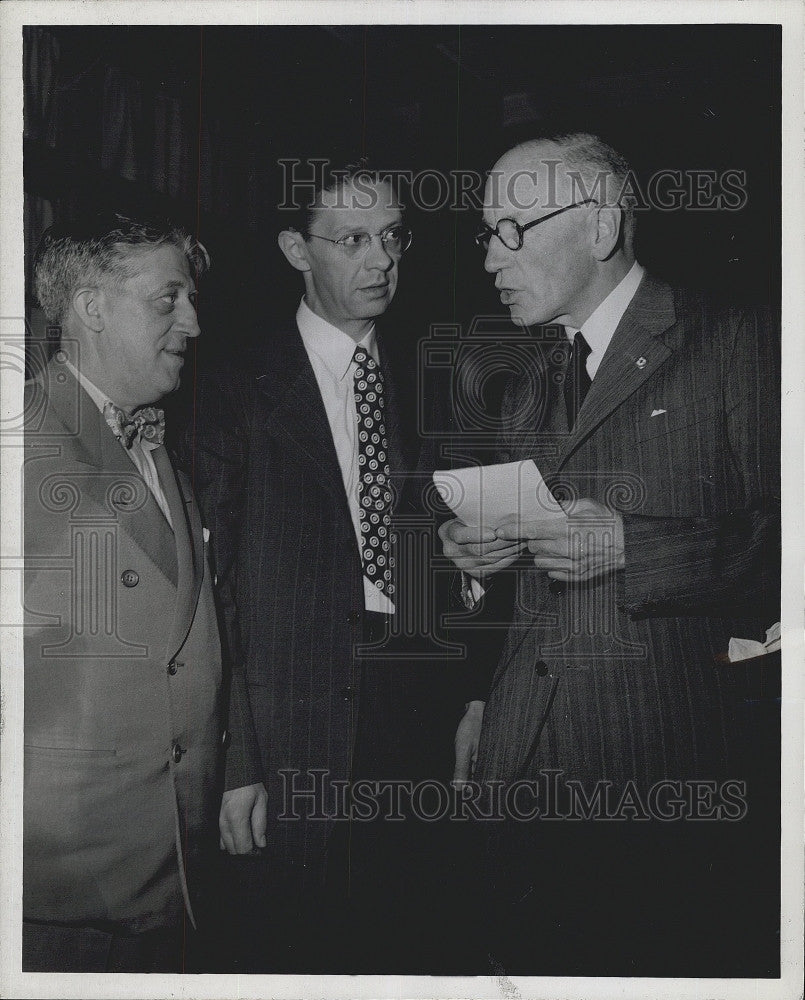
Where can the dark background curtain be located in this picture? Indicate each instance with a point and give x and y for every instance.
(191, 122)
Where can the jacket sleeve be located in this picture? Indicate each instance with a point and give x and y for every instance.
(728, 564)
(482, 620)
(214, 451)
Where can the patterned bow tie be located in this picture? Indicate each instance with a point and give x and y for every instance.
(147, 423)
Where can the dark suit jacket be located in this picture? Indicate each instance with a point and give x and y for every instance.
(264, 466)
(122, 667)
(680, 432)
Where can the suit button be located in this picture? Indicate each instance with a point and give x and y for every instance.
(353, 617)
(505, 456)
(347, 692)
(129, 578)
(557, 587)
(173, 666)
(541, 668)
(176, 753)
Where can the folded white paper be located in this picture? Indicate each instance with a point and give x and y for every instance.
(485, 494)
(745, 649)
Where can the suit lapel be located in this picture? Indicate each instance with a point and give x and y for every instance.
(298, 417)
(634, 354)
(189, 545)
(140, 516)
(117, 488)
(402, 453)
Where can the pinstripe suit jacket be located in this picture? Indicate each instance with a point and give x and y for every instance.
(615, 679)
(289, 573)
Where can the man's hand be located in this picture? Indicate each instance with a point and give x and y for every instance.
(468, 735)
(242, 820)
(477, 551)
(585, 546)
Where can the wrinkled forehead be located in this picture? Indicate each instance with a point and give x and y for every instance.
(527, 183)
(360, 202)
(135, 265)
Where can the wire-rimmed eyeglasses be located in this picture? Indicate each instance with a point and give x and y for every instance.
(510, 233)
(396, 240)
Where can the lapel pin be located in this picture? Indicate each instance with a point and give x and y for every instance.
(641, 362)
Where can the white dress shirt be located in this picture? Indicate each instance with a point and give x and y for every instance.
(330, 351)
(603, 321)
(139, 452)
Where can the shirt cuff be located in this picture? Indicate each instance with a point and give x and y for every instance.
(471, 591)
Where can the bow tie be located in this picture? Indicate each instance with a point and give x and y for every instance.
(147, 423)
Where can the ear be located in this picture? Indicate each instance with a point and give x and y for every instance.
(87, 305)
(607, 235)
(294, 247)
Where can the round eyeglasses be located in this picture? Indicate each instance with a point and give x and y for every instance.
(396, 240)
(510, 233)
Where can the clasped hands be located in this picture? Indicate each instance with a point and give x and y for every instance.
(587, 544)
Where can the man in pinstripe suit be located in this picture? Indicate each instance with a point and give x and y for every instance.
(292, 474)
(659, 428)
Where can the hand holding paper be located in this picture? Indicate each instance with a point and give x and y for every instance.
(482, 496)
(514, 500)
(477, 551)
(584, 546)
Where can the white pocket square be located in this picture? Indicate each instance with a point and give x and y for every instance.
(656, 413)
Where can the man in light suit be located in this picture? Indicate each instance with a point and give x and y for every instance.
(654, 415)
(124, 720)
(293, 455)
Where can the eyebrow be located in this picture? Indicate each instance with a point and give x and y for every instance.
(172, 285)
(344, 230)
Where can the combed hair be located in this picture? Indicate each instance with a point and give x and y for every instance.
(596, 161)
(99, 247)
(327, 176)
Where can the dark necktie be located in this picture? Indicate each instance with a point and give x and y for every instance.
(577, 381)
(147, 423)
(374, 491)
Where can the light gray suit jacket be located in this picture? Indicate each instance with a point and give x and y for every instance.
(123, 706)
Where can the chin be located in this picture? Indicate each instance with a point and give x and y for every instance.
(376, 310)
(525, 317)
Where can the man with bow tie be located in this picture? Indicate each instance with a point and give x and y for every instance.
(125, 734)
(654, 417)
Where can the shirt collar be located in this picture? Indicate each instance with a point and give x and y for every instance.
(332, 346)
(602, 323)
(100, 399)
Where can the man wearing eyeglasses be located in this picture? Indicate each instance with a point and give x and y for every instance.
(303, 462)
(653, 415)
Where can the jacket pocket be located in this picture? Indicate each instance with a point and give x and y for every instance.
(703, 410)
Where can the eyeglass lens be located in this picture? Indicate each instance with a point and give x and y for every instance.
(506, 231)
(396, 240)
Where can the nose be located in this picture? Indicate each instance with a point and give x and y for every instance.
(493, 259)
(377, 256)
(188, 320)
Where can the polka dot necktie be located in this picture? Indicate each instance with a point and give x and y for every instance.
(374, 491)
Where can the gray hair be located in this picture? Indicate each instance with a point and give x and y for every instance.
(597, 170)
(97, 248)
